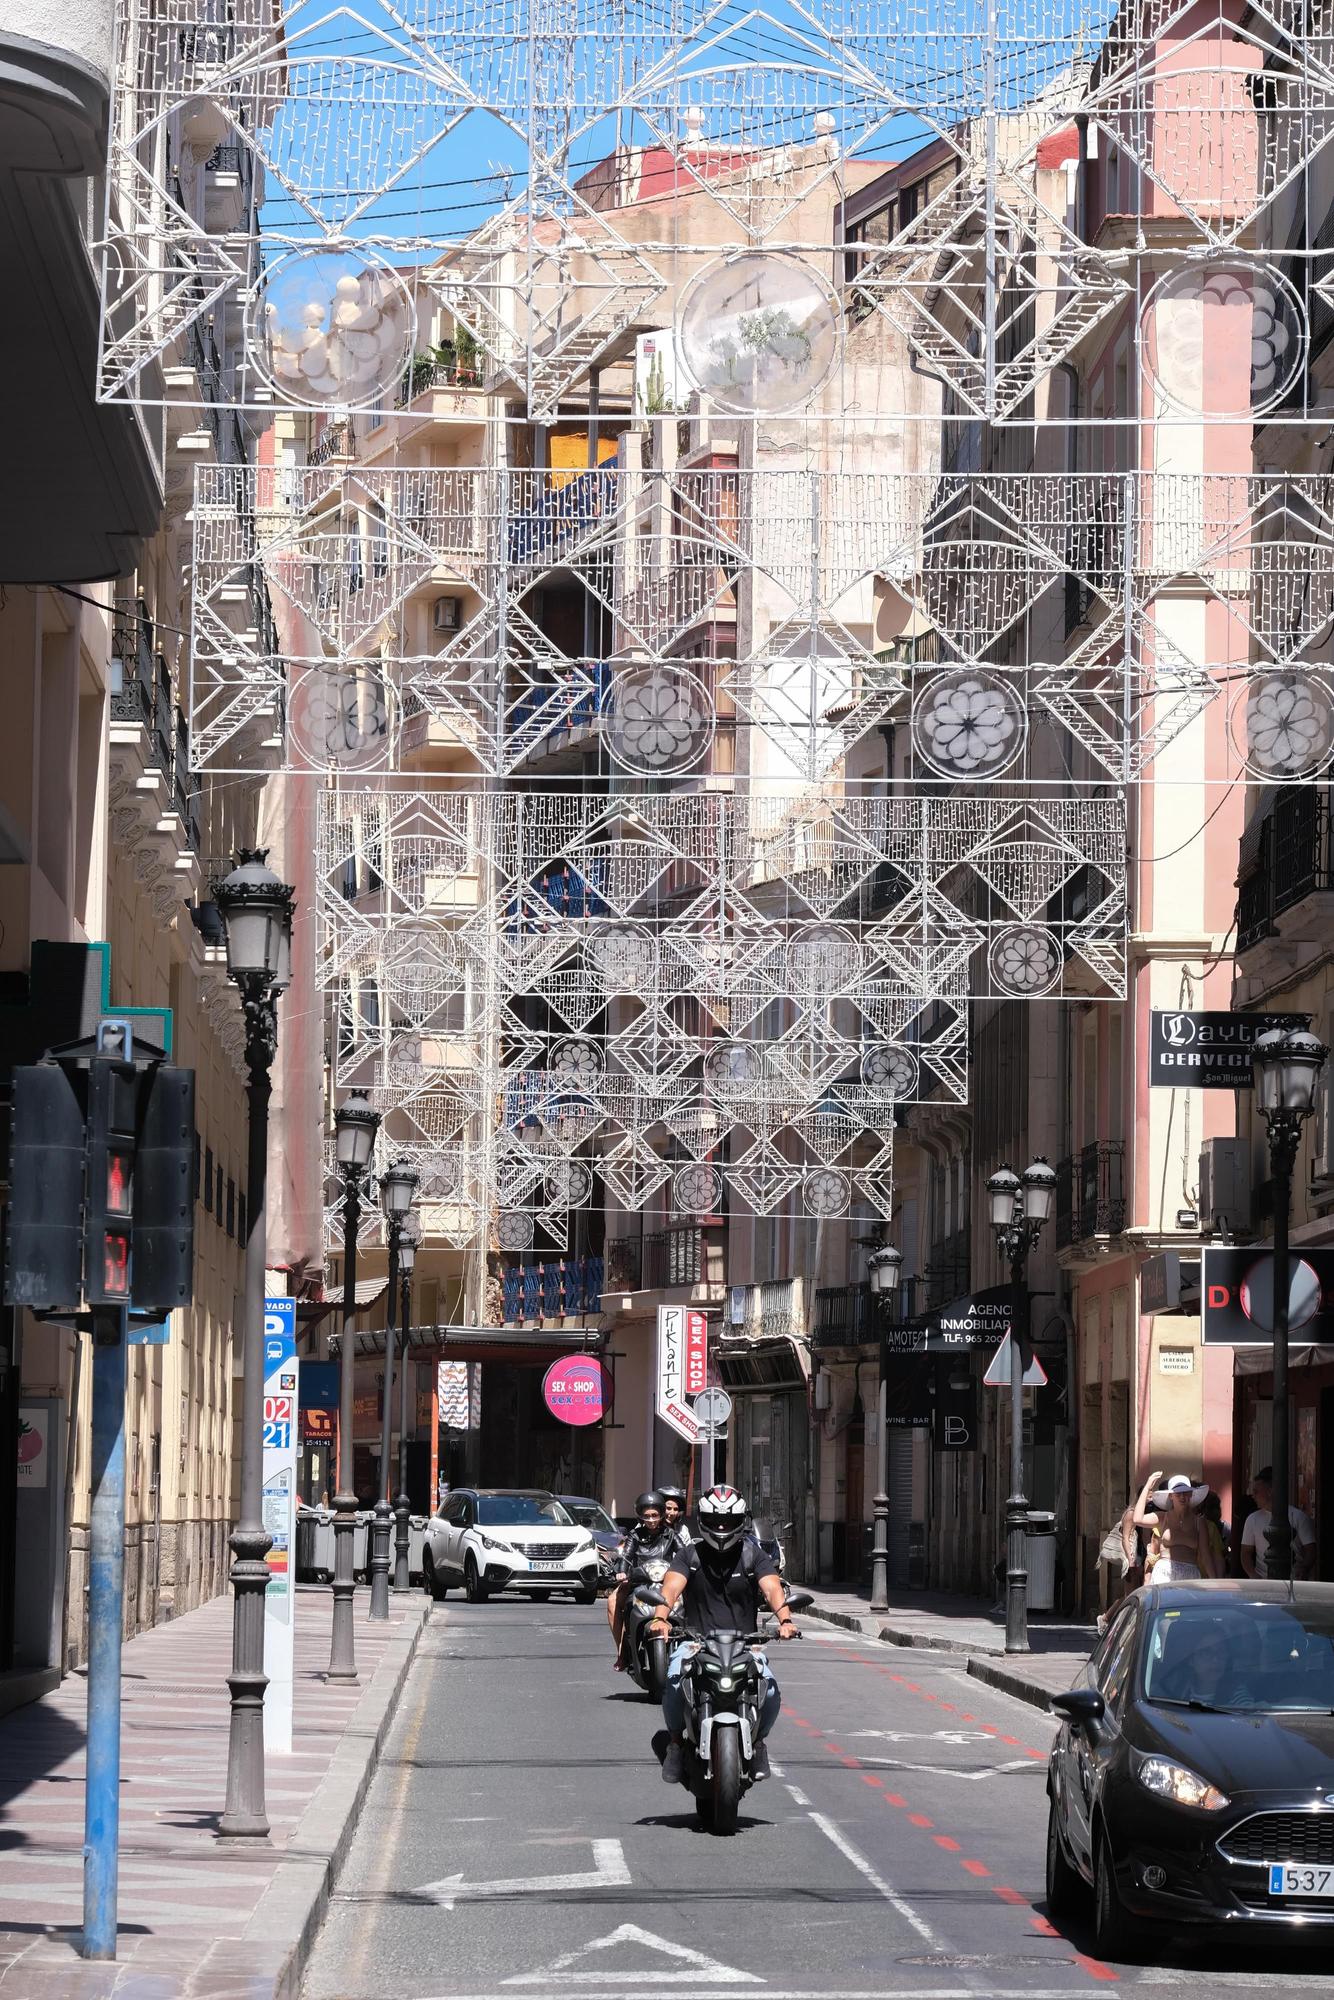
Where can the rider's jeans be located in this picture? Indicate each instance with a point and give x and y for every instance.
(674, 1702)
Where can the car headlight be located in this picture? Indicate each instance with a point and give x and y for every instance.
(1180, 1784)
(488, 1542)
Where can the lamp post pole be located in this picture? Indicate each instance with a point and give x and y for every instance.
(407, 1251)
(1287, 1067)
(1019, 1207)
(883, 1267)
(398, 1184)
(257, 910)
(355, 1126)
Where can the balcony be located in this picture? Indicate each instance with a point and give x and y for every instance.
(1090, 1194)
(948, 1268)
(847, 1315)
(665, 1260)
(547, 719)
(553, 1288)
(1284, 860)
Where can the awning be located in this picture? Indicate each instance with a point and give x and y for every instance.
(761, 1364)
(311, 1313)
(1259, 1360)
(479, 1343)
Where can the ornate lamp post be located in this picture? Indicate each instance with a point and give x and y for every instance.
(883, 1267)
(397, 1187)
(407, 1257)
(1019, 1207)
(1287, 1067)
(355, 1126)
(256, 909)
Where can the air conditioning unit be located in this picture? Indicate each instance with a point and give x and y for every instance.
(1225, 1187)
(447, 614)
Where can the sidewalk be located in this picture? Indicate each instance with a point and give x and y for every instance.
(200, 1918)
(952, 1624)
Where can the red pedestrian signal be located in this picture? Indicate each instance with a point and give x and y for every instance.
(119, 1183)
(115, 1267)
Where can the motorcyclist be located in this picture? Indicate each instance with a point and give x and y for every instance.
(674, 1512)
(721, 1577)
(651, 1540)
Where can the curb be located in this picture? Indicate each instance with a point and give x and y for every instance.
(1009, 1682)
(280, 1934)
(980, 1664)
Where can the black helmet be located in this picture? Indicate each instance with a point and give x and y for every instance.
(676, 1493)
(722, 1517)
(650, 1499)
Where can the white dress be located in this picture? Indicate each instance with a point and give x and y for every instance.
(1171, 1569)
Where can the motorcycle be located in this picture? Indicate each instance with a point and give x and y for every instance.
(645, 1658)
(772, 1543)
(723, 1693)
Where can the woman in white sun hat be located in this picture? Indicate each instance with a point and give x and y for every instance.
(1181, 1549)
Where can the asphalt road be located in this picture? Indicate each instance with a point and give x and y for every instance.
(518, 1839)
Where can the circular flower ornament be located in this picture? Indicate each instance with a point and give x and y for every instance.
(733, 1069)
(1025, 960)
(576, 1061)
(1289, 720)
(332, 328)
(822, 960)
(890, 1069)
(658, 718)
(697, 1190)
(623, 958)
(968, 724)
(1196, 320)
(825, 1192)
(569, 1184)
(514, 1231)
(759, 333)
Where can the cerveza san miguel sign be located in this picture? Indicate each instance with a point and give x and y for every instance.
(1208, 1051)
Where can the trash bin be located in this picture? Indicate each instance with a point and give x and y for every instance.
(305, 1544)
(416, 1539)
(322, 1554)
(1040, 1557)
(361, 1545)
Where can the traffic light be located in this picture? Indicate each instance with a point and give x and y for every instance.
(164, 1205)
(108, 1226)
(44, 1252)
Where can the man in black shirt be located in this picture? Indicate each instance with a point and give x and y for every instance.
(721, 1577)
(650, 1541)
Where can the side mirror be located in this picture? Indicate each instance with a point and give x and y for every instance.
(799, 1600)
(648, 1593)
(1079, 1707)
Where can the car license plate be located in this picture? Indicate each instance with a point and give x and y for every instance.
(545, 1565)
(1285, 1879)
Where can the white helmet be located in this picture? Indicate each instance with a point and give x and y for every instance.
(722, 1517)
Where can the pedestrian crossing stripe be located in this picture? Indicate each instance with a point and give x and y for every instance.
(690, 1967)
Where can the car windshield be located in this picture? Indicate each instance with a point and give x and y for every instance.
(1244, 1658)
(521, 1510)
(587, 1514)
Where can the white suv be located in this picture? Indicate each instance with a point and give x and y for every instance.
(489, 1539)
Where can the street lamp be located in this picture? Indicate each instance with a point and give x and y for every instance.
(256, 909)
(1019, 1207)
(883, 1267)
(355, 1125)
(407, 1257)
(398, 1184)
(1287, 1066)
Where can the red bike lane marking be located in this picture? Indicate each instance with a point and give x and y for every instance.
(1039, 1924)
(991, 1728)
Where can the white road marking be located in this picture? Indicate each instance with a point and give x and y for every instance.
(567, 1971)
(837, 1838)
(918, 1992)
(949, 1771)
(959, 1737)
(609, 1871)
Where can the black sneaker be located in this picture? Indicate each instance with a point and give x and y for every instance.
(761, 1762)
(671, 1764)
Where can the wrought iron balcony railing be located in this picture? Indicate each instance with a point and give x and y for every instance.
(1090, 1193)
(553, 1288)
(1289, 857)
(663, 1260)
(850, 1316)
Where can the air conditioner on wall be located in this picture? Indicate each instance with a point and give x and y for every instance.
(1225, 1187)
(447, 614)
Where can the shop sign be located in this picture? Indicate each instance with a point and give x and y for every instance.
(281, 1406)
(1208, 1051)
(675, 1340)
(577, 1390)
(1237, 1296)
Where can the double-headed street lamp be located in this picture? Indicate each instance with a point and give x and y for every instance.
(1287, 1066)
(407, 1257)
(883, 1268)
(1020, 1204)
(398, 1184)
(355, 1124)
(256, 909)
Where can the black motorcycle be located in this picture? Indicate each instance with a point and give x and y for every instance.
(723, 1695)
(645, 1657)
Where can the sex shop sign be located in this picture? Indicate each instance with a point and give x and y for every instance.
(578, 1390)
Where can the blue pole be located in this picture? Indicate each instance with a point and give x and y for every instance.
(106, 1612)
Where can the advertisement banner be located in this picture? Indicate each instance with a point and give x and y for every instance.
(1208, 1051)
(670, 1397)
(697, 1353)
(281, 1404)
(577, 1389)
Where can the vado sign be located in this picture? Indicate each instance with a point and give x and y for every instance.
(683, 1367)
(577, 1389)
(281, 1403)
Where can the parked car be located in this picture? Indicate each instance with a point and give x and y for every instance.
(1192, 1781)
(489, 1539)
(606, 1533)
